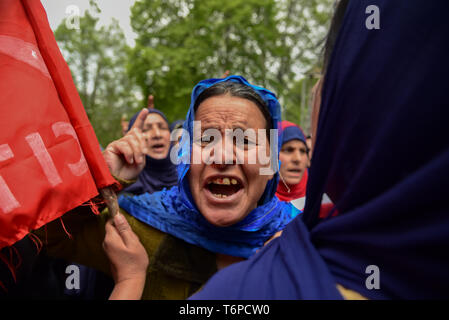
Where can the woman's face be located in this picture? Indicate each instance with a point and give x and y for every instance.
(226, 193)
(157, 135)
(294, 161)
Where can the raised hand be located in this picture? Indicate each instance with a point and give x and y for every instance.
(150, 104)
(225, 74)
(126, 157)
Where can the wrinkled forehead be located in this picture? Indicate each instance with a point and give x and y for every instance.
(223, 119)
(229, 112)
(154, 118)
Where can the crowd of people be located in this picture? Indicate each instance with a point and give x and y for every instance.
(258, 217)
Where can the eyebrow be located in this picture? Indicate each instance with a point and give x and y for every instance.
(156, 122)
(242, 126)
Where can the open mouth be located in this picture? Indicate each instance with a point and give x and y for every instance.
(158, 147)
(223, 187)
(294, 173)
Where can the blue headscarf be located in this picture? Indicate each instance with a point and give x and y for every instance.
(291, 131)
(157, 173)
(386, 170)
(174, 211)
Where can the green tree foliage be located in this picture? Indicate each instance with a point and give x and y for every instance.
(303, 24)
(97, 57)
(182, 42)
(271, 43)
(298, 101)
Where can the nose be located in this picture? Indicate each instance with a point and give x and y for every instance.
(296, 158)
(156, 133)
(223, 154)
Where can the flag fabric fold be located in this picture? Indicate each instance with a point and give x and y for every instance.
(50, 158)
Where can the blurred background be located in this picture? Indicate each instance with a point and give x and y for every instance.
(121, 51)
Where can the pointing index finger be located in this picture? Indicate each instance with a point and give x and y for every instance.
(140, 120)
(151, 102)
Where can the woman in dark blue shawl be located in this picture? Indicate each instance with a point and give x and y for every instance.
(158, 173)
(382, 156)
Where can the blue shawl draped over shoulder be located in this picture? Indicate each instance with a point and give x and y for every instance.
(173, 211)
(382, 156)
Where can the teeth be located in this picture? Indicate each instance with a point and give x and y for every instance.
(225, 181)
(220, 195)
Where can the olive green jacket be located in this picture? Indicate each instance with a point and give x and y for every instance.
(176, 270)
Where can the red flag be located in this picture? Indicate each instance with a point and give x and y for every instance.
(50, 158)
